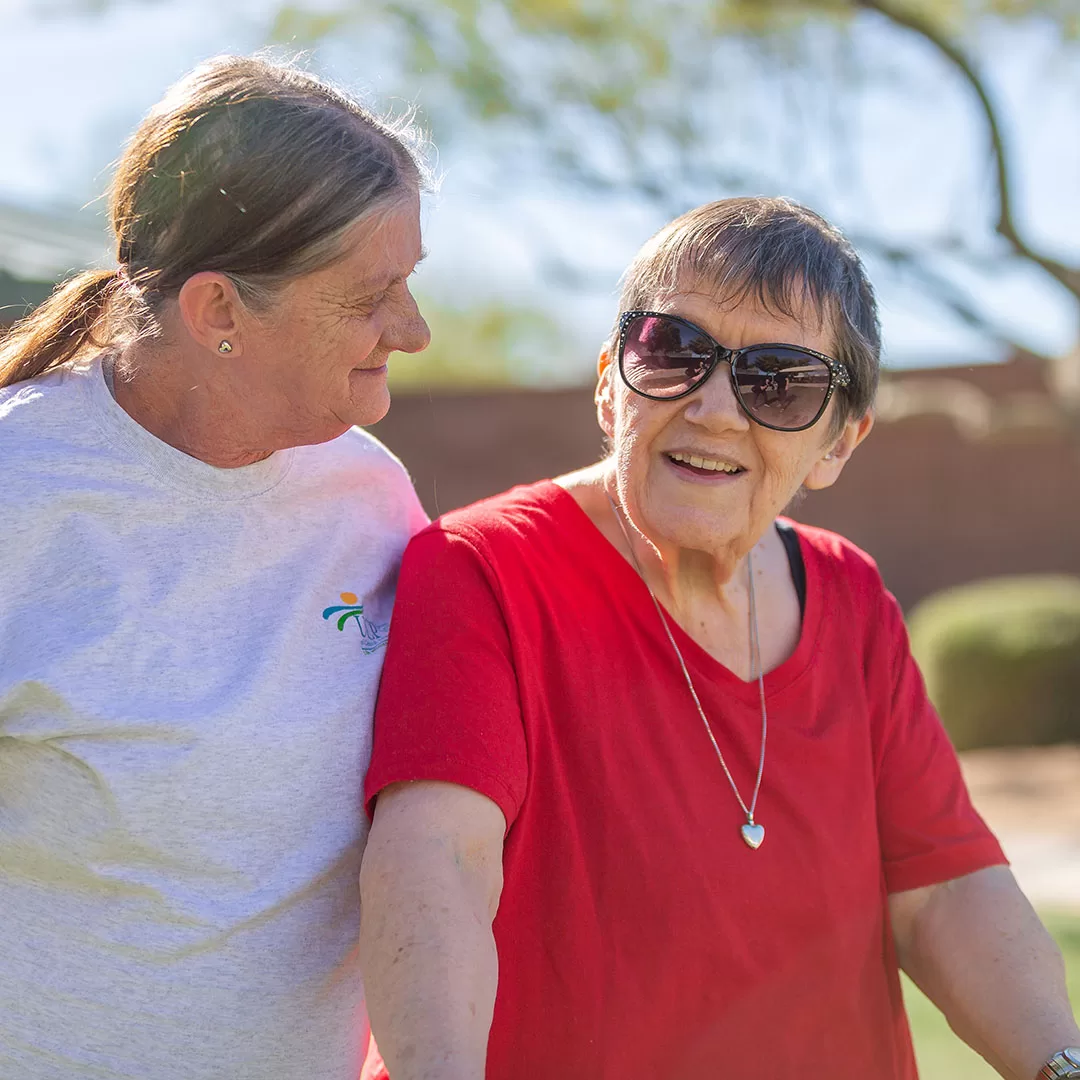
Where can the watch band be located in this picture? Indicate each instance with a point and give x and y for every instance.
(1064, 1065)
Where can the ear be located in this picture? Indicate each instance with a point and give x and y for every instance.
(211, 310)
(604, 396)
(827, 469)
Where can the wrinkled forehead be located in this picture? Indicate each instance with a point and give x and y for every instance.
(713, 305)
(386, 245)
(789, 298)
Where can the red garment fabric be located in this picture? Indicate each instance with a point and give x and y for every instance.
(638, 936)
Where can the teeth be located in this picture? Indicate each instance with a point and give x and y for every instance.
(710, 464)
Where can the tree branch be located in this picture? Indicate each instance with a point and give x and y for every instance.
(942, 290)
(1006, 224)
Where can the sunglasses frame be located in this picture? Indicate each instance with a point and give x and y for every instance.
(838, 373)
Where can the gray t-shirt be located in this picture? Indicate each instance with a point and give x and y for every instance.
(189, 658)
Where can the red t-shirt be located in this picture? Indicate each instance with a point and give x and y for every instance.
(638, 936)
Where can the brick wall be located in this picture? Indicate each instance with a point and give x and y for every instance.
(932, 505)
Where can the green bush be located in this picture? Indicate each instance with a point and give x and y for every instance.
(1001, 660)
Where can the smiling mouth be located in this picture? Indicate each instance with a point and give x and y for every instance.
(704, 466)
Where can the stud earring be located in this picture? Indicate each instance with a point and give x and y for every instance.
(828, 457)
(224, 347)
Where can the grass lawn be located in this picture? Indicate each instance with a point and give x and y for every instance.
(940, 1053)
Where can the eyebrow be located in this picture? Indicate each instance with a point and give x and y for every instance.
(374, 285)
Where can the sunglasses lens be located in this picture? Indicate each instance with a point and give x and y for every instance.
(782, 387)
(664, 357)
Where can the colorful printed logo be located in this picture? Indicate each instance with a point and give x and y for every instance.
(373, 635)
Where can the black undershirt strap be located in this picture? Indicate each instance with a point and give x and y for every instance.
(795, 561)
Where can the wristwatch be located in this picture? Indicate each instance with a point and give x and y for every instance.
(1064, 1065)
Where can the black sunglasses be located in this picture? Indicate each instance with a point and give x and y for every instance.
(783, 387)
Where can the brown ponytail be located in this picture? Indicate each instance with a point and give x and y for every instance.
(61, 327)
(251, 168)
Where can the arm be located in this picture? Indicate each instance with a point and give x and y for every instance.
(429, 886)
(972, 942)
(977, 949)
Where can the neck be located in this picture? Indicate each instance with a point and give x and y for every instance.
(189, 402)
(707, 596)
(684, 580)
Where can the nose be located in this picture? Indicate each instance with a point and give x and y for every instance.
(714, 404)
(409, 332)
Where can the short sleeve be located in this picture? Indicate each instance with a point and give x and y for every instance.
(930, 831)
(448, 706)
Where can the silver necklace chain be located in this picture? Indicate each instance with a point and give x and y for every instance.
(752, 832)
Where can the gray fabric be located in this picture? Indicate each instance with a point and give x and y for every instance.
(183, 737)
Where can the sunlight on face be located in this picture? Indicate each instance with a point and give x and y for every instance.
(674, 505)
(323, 349)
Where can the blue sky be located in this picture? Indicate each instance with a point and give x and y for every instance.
(75, 84)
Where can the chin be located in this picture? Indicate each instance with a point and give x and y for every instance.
(693, 535)
(369, 409)
(690, 528)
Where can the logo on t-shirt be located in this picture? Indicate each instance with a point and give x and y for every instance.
(373, 635)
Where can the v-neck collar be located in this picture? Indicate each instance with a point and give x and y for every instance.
(633, 593)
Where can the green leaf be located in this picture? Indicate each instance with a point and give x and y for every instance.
(297, 25)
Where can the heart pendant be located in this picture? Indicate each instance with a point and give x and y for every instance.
(753, 834)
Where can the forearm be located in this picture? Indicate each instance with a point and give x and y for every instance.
(979, 952)
(427, 951)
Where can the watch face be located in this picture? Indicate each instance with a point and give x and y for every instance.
(1072, 1055)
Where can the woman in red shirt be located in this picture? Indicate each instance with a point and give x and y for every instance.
(659, 790)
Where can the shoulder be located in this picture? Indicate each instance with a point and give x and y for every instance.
(360, 447)
(852, 598)
(499, 559)
(45, 424)
(356, 466)
(20, 405)
(515, 518)
(849, 576)
(834, 552)
(502, 539)
(28, 405)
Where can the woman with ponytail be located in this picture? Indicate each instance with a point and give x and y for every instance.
(60, 327)
(200, 554)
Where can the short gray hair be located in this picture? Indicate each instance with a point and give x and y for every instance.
(779, 254)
